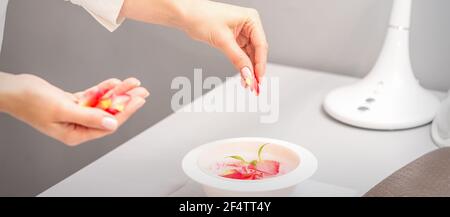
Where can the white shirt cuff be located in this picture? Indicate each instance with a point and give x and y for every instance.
(105, 12)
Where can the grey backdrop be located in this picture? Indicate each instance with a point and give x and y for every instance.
(63, 44)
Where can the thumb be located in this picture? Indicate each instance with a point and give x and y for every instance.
(89, 117)
(239, 58)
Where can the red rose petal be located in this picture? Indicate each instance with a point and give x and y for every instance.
(95, 98)
(92, 97)
(112, 111)
(242, 171)
(235, 174)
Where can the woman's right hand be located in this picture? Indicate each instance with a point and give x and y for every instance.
(236, 31)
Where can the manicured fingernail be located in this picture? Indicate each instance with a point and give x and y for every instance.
(260, 79)
(248, 76)
(243, 83)
(141, 103)
(146, 94)
(134, 81)
(246, 71)
(260, 82)
(109, 123)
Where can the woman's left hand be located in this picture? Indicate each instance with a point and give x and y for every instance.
(64, 116)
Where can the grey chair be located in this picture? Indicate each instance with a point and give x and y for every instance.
(428, 176)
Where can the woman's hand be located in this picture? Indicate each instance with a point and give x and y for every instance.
(59, 114)
(236, 31)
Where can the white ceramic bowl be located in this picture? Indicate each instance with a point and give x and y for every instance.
(296, 164)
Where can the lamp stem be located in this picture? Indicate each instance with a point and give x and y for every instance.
(401, 13)
(394, 64)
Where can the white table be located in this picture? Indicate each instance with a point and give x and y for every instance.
(351, 160)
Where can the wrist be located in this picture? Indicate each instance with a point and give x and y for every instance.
(4, 80)
(6, 91)
(185, 12)
(167, 13)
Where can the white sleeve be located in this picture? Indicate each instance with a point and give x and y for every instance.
(105, 12)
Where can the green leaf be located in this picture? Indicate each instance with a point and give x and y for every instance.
(253, 162)
(260, 150)
(238, 158)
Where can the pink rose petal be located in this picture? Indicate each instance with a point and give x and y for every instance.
(268, 166)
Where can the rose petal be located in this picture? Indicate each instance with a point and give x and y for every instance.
(112, 111)
(268, 166)
(104, 104)
(235, 174)
(92, 97)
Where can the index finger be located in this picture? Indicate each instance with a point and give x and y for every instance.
(259, 43)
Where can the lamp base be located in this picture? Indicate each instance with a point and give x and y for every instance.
(437, 139)
(440, 129)
(374, 104)
(389, 97)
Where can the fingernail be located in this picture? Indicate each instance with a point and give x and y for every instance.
(246, 71)
(135, 82)
(243, 83)
(140, 104)
(259, 79)
(248, 76)
(147, 94)
(109, 123)
(260, 82)
(143, 102)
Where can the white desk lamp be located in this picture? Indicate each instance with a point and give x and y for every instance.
(389, 97)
